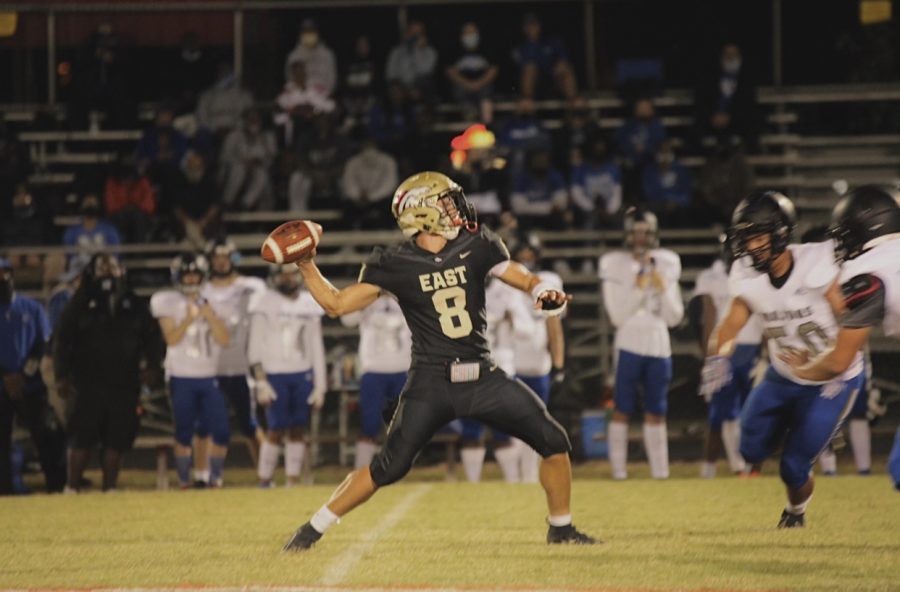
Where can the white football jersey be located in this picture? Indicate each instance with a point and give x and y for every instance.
(642, 317)
(508, 320)
(384, 339)
(286, 335)
(882, 261)
(713, 282)
(796, 316)
(532, 351)
(232, 304)
(197, 354)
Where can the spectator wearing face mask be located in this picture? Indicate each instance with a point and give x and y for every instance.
(195, 201)
(539, 195)
(543, 62)
(596, 188)
(668, 186)
(161, 147)
(368, 181)
(412, 62)
(106, 345)
(90, 235)
(472, 76)
(521, 134)
(247, 155)
(221, 106)
(321, 66)
(640, 136)
(299, 102)
(726, 99)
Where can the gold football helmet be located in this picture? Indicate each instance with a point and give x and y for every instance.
(431, 202)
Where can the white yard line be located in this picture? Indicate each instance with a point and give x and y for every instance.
(341, 567)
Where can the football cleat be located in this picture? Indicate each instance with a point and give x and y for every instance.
(569, 535)
(789, 520)
(305, 537)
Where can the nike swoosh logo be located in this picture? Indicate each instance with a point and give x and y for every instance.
(464, 255)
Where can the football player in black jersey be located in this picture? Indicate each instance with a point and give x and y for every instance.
(438, 276)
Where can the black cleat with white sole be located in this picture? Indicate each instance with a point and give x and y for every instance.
(789, 520)
(569, 535)
(302, 540)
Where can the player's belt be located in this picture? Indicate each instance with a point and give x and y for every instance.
(468, 370)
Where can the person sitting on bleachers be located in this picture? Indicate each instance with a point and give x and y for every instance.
(91, 234)
(25, 225)
(596, 188)
(539, 195)
(318, 59)
(247, 156)
(412, 62)
(521, 134)
(726, 99)
(161, 147)
(195, 201)
(368, 181)
(221, 106)
(299, 102)
(325, 152)
(130, 201)
(577, 137)
(543, 60)
(640, 136)
(668, 186)
(360, 83)
(391, 121)
(472, 76)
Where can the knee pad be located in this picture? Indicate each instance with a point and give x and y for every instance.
(794, 471)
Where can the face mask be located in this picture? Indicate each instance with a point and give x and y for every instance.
(6, 290)
(470, 40)
(309, 39)
(731, 65)
(90, 211)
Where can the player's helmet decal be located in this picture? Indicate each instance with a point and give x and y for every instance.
(189, 263)
(865, 217)
(762, 213)
(431, 202)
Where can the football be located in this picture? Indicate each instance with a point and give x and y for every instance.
(291, 241)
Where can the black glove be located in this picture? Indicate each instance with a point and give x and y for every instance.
(557, 377)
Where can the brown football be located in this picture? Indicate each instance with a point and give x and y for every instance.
(291, 241)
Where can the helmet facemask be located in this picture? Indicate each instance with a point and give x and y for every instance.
(763, 255)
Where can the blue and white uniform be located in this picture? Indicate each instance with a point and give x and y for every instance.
(797, 315)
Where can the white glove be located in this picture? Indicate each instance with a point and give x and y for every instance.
(316, 397)
(716, 373)
(265, 394)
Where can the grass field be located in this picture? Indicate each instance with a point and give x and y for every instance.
(427, 535)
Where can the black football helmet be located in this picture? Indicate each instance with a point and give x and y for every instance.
(763, 212)
(864, 215)
(635, 216)
(184, 264)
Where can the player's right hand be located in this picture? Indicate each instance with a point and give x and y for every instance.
(265, 394)
(716, 374)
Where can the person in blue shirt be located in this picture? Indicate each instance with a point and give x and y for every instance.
(161, 147)
(640, 136)
(543, 60)
(539, 195)
(91, 235)
(668, 186)
(24, 331)
(596, 188)
(521, 134)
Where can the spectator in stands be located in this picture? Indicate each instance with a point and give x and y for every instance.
(106, 345)
(101, 81)
(195, 201)
(522, 134)
(62, 292)
(325, 153)
(472, 75)
(247, 156)
(596, 188)
(368, 182)
(220, 107)
(578, 135)
(726, 99)
(299, 102)
(639, 138)
(130, 201)
(161, 147)
(668, 186)
(360, 83)
(539, 194)
(91, 234)
(321, 66)
(25, 225)
(391, 121)
(192, 71)
(543, 62)
(412, 62)
(483, 175)
(24, 331)
(725, 180)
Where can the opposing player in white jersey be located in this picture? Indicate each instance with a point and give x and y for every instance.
(229, 293)
(643, 300)
(508, 320)
(725, 405)
(287, 358)
(865, 225)
(384, 354)
(195, 336)
(539, 354)
(792, 290)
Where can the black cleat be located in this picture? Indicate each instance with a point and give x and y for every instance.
(789, 520)
(305, 537)
(568, 535)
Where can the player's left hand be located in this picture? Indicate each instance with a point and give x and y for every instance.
(716, 374)
(552, 302)
(316, 398)
(795, 358)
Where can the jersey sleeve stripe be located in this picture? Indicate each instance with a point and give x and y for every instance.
(873, 288)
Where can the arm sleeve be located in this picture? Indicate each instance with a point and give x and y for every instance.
(864, 298)
(377, 271)
(496, 248)
(317, 348)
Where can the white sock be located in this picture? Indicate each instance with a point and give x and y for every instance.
(508, 459)
(324, 519)
(731, 440)
(618, 448)
(828, 460)
(201, 475)
(293, 458)
(529, 463)
(656, 443)
(365, 452)
(472, 461)
(268, 460)
(707, 470)
(564, 520)
(861, 441)
(799, 508)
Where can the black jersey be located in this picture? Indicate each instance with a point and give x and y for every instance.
(441, 294)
